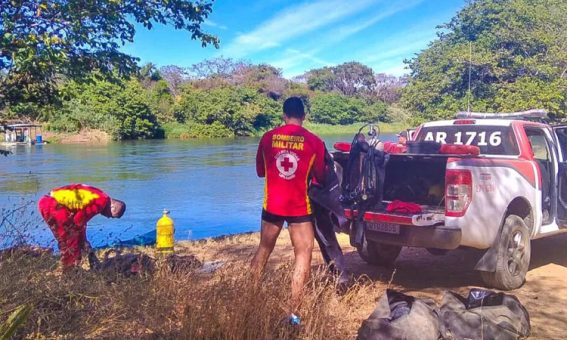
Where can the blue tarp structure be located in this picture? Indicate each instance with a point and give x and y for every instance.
(146, 239)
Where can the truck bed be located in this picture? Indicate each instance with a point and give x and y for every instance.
(417, 179)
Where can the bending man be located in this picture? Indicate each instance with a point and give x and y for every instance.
(287, 157)
(68, 209)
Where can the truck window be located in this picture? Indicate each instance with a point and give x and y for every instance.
(539, 145)
(491, 140)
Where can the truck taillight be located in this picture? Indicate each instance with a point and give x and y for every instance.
(458, 192)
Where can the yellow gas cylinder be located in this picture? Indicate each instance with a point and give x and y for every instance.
(164, 234)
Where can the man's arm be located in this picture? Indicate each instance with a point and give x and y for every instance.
(260, 162)
(319, 164)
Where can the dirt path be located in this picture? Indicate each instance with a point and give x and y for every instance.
(421, 274)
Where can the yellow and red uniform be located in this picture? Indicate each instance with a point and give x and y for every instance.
(287, 157)
(67, 210)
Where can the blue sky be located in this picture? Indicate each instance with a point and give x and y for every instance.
(298, 36)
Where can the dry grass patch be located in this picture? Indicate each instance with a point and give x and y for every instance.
(166, 305)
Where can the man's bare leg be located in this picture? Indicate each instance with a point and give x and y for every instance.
(268, 237)
(302, 236)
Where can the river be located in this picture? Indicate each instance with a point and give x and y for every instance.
(210, 186)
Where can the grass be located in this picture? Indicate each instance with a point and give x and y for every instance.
(181, 304)
(168, 305)
(327, 129)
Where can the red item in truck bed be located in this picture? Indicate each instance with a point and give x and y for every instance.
(342, 146)
(455, 149)
(403, 207)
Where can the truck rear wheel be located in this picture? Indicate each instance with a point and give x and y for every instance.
(378, 254)
(513, 256)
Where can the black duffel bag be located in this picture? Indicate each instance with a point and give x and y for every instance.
(400, 316)
(483, 314)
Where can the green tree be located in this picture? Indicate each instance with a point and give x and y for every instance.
(161, 101)
(322, 79)
(334, 108)
(175, 76)
(352, 78)
(265, 78)
(241, 110)
(518, 61)
(40, 40)
(119, 109)
(338, 109)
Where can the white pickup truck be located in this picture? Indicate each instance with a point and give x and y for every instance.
(512, 191)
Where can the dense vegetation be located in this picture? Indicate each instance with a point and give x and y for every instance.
(518, 61)
(43, 42)
(220, 97)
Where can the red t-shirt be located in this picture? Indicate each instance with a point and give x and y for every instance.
(287, 157)
(80, 202)
(391, 147)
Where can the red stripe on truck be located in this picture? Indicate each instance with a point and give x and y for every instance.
(524, 168)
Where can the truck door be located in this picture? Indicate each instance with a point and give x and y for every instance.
(543, 153)
(561, 135)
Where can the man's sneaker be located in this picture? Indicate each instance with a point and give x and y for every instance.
(294, 320)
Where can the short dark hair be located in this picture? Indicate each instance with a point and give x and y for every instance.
(293, 108)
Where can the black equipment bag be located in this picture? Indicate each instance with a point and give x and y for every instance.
(400, 316)
(363, 182)
(483, 314)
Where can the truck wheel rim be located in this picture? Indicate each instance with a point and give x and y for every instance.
(516, 253)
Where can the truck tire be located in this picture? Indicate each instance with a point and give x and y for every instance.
(513, 256)
(378, 254)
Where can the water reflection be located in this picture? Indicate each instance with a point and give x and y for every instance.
(209, 185)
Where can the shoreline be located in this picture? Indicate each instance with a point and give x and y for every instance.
(99, 137)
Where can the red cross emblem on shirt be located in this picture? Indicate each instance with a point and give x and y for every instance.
(286, 164)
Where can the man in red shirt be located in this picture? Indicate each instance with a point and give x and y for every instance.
(68, 209)
(288, 157)
(400, 147)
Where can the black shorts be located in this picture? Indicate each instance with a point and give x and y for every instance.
(276, 219)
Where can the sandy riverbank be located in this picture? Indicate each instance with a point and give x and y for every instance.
(82, 137)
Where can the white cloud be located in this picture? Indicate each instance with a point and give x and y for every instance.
(294, 62)
(388, 54)
(293, 22)
(395, 70)
(345, 31)
(398, 46)
(211, 23)
(292, 57)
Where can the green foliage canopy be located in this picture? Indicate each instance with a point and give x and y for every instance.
(352, 78)
(40, 40)
(119, 109)
(519, 61)
(241, 110)
(334, 108)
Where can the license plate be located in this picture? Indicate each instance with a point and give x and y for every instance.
(383, 227)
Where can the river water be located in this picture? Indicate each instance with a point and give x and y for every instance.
(210, 186)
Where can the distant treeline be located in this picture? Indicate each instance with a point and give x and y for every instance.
(494, 55)
(220, 97)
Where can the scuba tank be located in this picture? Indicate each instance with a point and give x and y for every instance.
(165, 234)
